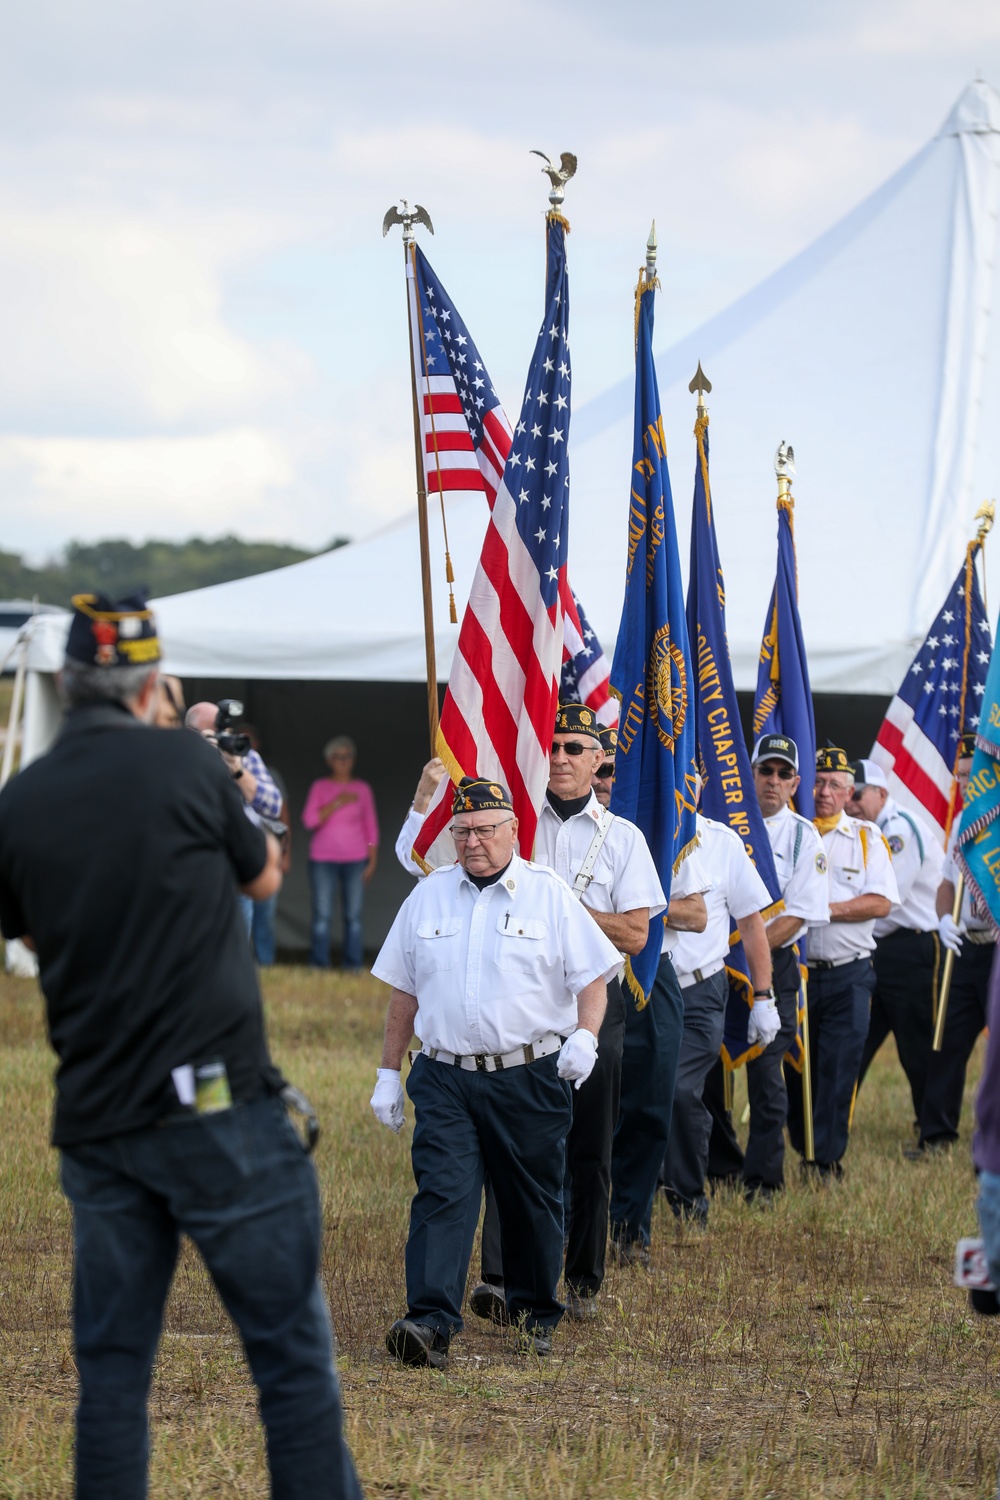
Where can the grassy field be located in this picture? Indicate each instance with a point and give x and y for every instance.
(817, 1349)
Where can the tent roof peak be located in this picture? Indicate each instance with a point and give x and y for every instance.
(976, 112)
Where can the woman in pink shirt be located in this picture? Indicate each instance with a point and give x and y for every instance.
(340, 814)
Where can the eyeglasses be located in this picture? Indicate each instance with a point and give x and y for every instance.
(606, 771)
(484, 833)
(573, 748)
(784, 773)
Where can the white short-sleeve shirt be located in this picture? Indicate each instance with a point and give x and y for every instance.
(736, 890)
(624, 877)
(800, 865)
(497, 968)
(917, 860)
(858, 865)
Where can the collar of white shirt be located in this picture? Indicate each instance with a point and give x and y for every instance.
(591, 810)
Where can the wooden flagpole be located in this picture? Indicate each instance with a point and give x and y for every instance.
(407, 218)
(984, 515)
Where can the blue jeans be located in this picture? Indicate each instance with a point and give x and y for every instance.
(262, 930)
(239, 1184)
(324, 876)
(246, 911)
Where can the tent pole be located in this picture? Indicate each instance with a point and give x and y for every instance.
(425, 556)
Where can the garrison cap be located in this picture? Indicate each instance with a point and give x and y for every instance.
(776, 747)
(832, 758)
(103, 633)
(609, 741)
(474, 794)
(868, 773)
(577, 718)
(968, 746)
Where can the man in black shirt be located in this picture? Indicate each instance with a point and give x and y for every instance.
(121, 853)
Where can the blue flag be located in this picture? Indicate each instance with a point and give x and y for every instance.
(978, 850)
(783, 702)
(651, 672)
(728, 794)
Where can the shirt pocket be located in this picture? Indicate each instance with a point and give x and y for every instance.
(850, 883)
(522, 944)
(437, 945)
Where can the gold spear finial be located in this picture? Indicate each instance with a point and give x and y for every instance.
(651, 254)
(703, 386)
(985, 515)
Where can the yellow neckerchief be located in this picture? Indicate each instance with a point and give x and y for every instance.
(826, 825)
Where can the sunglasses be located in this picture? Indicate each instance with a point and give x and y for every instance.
(606, 771)
(784, 773)
(573, 748)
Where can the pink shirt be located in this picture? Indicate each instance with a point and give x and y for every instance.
(349, 831)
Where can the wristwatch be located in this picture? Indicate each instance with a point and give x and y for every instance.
(763, 994)
(238, 774)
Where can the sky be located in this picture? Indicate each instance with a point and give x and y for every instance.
(203, 328)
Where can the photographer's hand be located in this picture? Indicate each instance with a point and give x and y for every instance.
(245, 780)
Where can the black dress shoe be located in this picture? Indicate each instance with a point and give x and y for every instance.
(487, 1301)
(630, 1253)
(537, 1341)
(417, 1344)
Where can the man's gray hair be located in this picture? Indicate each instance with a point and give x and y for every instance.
(81, 683)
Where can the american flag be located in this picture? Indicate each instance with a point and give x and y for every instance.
(586, 670)
(500, 707)
(466, 440)
(465, 431)
(917, 745)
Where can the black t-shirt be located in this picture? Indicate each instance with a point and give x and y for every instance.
(120, 855)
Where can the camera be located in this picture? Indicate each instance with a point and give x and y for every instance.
(230, 711)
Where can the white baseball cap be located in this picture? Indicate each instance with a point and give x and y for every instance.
(868, 773)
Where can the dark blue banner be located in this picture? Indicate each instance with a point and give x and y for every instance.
(651, 673)
(783, 703)
(728, 794)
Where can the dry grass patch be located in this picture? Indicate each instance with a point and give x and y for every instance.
(815, 1349)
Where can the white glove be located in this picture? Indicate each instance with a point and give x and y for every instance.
(387, 1100)
(577, 1056)
(950, 932)
(765, 1023)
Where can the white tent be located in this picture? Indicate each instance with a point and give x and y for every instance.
(873, 352)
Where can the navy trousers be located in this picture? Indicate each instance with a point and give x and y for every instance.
(968, 1003)
(686, 1161)
(512, 1124)
(839, 1002)
(907, 977)
(588, 1165)
(763, 1163)
(649, 1070)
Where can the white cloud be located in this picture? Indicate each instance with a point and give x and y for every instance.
(233, 480)
(928, 27)
(119, 313)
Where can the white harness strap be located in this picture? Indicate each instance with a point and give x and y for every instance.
(586, 872)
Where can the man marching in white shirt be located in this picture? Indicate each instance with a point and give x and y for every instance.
(907, 949)
(800, 864)
(699, 960)
(501, 973)
(841, 978)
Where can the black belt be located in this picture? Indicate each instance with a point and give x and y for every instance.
(836, 963)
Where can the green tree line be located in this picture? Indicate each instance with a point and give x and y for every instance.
(116, 567)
